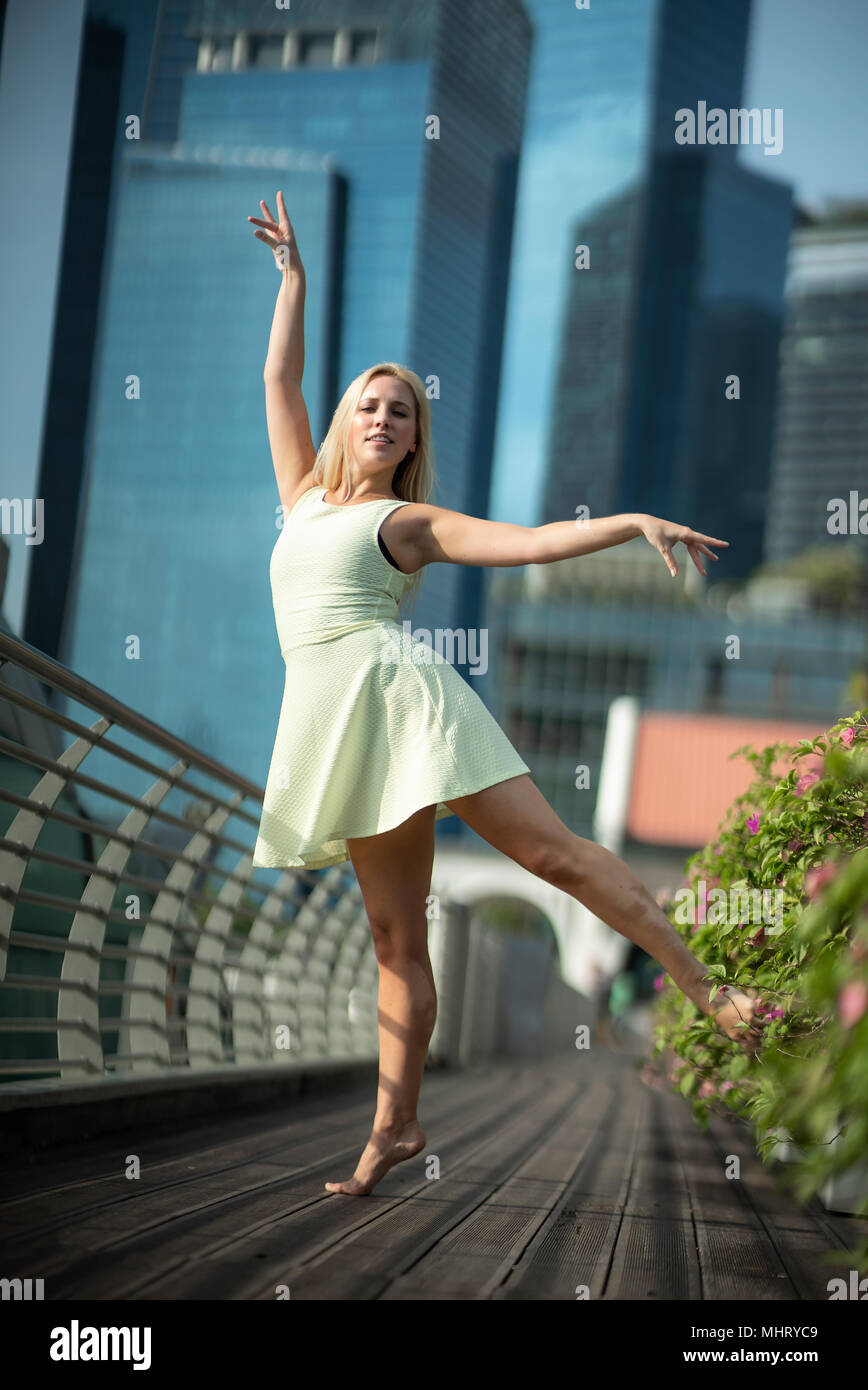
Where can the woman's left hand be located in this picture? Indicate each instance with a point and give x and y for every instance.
(663, 535)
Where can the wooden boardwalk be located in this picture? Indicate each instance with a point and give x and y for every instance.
(553, 1175)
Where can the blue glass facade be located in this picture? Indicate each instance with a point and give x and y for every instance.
(339, 114)
(709, 308)
(181, 510)
(684, 290)
(821, 435)
(589, 105)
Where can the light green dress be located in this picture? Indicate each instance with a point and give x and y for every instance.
(374, 724)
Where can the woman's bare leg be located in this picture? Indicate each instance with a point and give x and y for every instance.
(515, 818)
(394, 873)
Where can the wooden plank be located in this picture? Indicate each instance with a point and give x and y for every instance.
(740, 1263)
(573, 1250)
(798, 1232)
(738, 1259)
(654, 1258)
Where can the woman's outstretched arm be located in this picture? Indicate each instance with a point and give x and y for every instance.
(292, 447)
(425, 535)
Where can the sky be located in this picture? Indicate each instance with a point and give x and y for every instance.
(809, 59)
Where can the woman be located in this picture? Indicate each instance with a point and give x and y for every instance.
(373, 744)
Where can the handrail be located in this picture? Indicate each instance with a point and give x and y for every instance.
(121, 952)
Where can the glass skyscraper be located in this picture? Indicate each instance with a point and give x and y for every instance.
(667, 235)
(821, 440)
(684, 295)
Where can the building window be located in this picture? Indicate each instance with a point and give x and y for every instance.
(713, 681)
(363, 46)
(265, 51)
(317, 50)
(221, 55)
(514, 656)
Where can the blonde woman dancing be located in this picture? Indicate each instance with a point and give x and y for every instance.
(372, 747)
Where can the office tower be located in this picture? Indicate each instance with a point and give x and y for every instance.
(821, 440)
(62, 464)
(665, 392)
(664, 388)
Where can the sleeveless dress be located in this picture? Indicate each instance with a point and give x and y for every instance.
(374, 724)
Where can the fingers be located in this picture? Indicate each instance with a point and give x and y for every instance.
(692, 551)
(711, 540)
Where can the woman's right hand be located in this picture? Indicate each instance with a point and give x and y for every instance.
(280, 237)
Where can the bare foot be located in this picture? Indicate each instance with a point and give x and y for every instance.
(731, 1009)
(383, 1150)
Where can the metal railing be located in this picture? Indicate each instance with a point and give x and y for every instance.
(149, 942)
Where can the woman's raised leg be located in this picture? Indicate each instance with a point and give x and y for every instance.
(515, 818)
(394, 873)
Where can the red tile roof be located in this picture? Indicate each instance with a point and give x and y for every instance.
(682, 782)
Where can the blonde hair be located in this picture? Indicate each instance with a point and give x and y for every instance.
(414, 479)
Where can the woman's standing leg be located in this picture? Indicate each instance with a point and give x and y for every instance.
(394, 873)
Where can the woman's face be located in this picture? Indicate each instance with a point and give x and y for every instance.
(387, 408)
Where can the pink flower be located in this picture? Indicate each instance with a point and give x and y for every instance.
(707, 1088)
(848, 736)
(852, 1002)
(753, 823)
(658, 981)
(815, 879)
(773, 1013)
(807, 780)
(726, 1086)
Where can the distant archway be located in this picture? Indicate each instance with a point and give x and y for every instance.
(582, 939)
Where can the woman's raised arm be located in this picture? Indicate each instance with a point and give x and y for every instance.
(292, 447)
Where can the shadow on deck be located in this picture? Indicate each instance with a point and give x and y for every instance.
(553, 1175)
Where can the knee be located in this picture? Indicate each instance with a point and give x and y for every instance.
(558, 863)
(399, 938)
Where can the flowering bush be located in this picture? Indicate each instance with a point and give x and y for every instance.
(804, 837)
